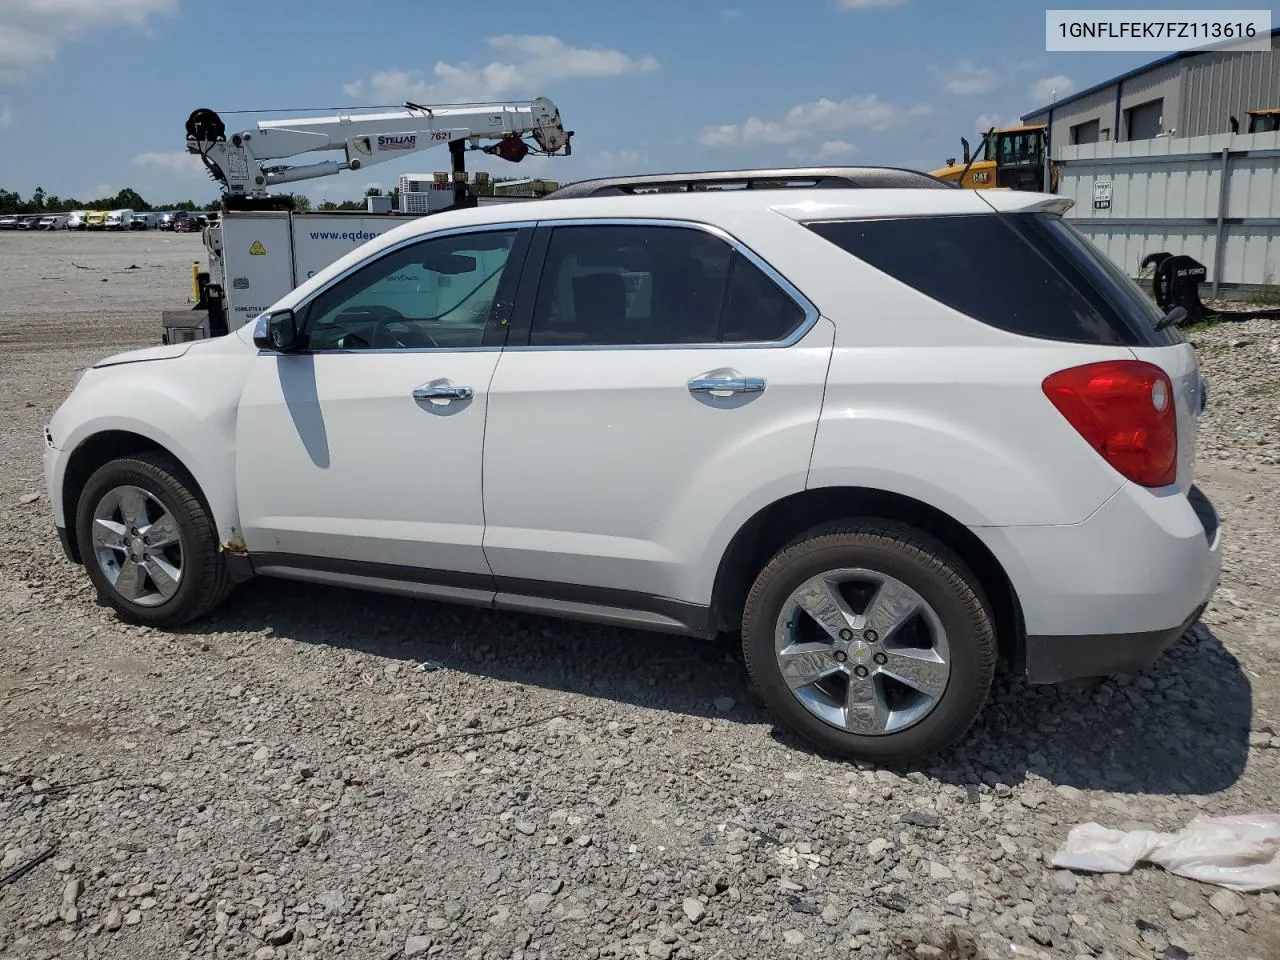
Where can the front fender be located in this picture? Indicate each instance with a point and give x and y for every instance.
(187, 407)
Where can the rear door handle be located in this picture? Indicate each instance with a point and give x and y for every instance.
(722, 386)
(441, 391)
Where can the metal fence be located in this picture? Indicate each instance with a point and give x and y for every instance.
(1214, 198)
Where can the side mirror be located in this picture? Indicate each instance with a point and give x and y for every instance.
(277, 331)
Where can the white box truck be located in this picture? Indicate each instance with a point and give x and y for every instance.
(255, 257)
(118, 220)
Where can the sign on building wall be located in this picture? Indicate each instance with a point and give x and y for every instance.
(1102, 193)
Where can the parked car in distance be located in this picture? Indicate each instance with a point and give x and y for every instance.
(9, 222)
(28, 221)
(76, 219)
(118, 220)
(52, 222)
(139, 221)
(186, 223)
(95, 219)
(886, 434)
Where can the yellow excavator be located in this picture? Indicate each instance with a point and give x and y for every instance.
(1013, 158)
(1260, 121)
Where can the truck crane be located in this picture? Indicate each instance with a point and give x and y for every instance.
(242, 162)
(260, 247)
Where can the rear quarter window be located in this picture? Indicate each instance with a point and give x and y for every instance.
(1017, 277)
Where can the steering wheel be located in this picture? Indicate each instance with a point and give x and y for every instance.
(384, 338)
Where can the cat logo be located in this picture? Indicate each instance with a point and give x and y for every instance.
(257, 250)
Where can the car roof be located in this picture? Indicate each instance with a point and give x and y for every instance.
(723, 206)
(730, 210)
(846, 177)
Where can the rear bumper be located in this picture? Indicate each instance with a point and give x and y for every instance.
(1055, 659)
(1107, 595)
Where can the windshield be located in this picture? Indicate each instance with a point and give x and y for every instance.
(1018, 149)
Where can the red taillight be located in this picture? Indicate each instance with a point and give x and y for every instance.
(1125, 410)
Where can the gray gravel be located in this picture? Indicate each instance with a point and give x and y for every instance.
(325, 773)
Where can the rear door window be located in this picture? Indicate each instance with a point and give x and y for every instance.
(1025, 277)
(644, 284)
(611, 285)
(756, 309)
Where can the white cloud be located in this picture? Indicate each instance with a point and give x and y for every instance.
(803, 120)
(867, 4)
(988, 120)
(529, 62)
(1052, 88)
(724, 135)
(966, 77)
(171, 161)
(31, 31)
(618, 162)
(22, 52)
(828, 150)
(836, 149)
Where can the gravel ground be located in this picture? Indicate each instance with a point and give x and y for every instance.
(325, 773)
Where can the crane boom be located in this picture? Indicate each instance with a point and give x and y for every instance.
(242, 161)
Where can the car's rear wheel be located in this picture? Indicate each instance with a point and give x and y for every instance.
(871, 640)
(149, 543)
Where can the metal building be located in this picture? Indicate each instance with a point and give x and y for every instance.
(1193, 93)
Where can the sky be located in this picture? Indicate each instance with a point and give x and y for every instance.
(94, 94)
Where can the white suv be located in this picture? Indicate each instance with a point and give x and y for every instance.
(887, 433)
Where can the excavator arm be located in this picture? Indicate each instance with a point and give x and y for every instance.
(242, 162)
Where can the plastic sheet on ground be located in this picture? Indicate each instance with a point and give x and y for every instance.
(1240, 853)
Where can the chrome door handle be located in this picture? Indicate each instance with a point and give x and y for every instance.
(440, 391)
(724, 386)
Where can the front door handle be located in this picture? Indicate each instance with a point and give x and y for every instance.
(724, 386)
(441, 391)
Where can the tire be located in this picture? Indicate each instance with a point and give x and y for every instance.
(879, 568)
(163, 487)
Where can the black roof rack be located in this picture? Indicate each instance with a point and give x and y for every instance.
(823, 178)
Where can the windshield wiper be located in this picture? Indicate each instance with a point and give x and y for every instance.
(1176, 315)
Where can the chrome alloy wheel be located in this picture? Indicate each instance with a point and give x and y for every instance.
(862, 651)
(137, 546)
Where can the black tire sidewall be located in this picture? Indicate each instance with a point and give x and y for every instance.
(970, 640)
(137, 473)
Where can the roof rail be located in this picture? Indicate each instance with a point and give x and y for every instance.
(824, 178)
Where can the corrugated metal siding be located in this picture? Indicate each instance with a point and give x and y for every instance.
(1163, 83)
(1098, 106)
(1220, 85)
(1176, 189)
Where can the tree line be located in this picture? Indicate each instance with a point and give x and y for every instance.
(130, 199)
(126, 199)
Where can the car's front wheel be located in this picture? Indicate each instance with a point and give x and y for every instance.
(149, 543)
(871, 640)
